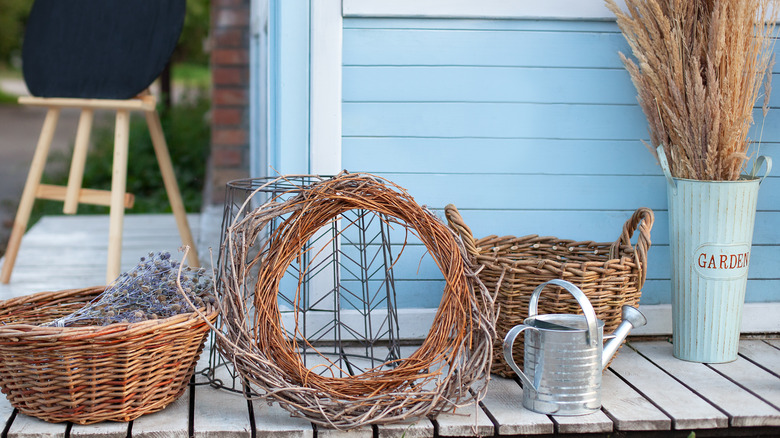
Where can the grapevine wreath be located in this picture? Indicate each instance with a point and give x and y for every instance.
(449, 369)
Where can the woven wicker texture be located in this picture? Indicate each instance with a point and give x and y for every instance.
(96, 373)
(450, 368)
(610, 274)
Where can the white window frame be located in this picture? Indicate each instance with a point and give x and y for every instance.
(325, 87)
(492, 9)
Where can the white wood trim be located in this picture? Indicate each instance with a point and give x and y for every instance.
(509, 9)
(325, 86)
(756, 318)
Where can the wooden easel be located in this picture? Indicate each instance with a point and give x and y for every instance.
(73, 194)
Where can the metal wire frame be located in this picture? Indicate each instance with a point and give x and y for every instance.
(339, 298)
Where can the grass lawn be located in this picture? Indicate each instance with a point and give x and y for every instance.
(9, 73)
(193, 75)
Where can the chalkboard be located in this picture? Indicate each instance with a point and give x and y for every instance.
(103, 49)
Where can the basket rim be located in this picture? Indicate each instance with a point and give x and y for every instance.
(123, 329)
(486, 251)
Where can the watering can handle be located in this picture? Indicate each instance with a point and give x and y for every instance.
(582, 299)
(757, 166)
(509, 342)
(665, 167)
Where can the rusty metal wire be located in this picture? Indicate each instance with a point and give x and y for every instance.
(449, 369)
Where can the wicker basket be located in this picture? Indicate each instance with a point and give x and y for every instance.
(611, 274)
(89, 374)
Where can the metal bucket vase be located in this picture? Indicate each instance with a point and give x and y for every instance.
(710, 235)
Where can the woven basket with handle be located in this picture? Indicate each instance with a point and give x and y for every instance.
(610, 274)
(96, 373)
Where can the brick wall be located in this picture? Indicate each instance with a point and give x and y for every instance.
(229, 97)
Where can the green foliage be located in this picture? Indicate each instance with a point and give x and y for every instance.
(191, 75)
(194, 33)
(7, 99)
(13, 15)
(188, 136)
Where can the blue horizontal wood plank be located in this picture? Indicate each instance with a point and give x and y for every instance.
(487, 84)
(757, 291)
(536, 192)
(513, 120)
(537, 156)
(427, 292)
(416, 263)
(535, 43)
(479, 24)
(495, 120)
(501, 155)
(412, 293)
(418, 292)
(598, 226)
(552, 192)
(482, 47)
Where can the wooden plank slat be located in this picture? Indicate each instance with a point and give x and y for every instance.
(762, 353)
(468, 47)
(422, 428)
(468, 420)
(173, 421)
(105, 429)
(85, 196)
(757, 380)
(140, 103)
(5, 411)
(274, 422)
(412, 428)
(454, 155)
(597, 422)
(494, 120)
(742, 408)
(358, 432)
(496, 84)
(504, 402)
(687, 410)
(219, 413)
(142, 224)
(25, 426)
(628, 409)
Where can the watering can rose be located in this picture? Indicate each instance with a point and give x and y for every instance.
(722, 261)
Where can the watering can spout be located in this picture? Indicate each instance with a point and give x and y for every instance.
(632, 318)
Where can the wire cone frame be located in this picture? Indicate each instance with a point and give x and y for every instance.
(449, 369)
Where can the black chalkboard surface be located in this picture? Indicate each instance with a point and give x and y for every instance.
(104, 49)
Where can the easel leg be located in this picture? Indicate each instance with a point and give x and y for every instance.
(118, 188)
(28, 194)
(77, 162)
(171, 186)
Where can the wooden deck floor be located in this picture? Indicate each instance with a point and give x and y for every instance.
(646, 392)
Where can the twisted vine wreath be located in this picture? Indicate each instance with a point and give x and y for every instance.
(449, 369)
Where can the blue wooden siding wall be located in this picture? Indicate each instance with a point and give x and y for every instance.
(529, 127)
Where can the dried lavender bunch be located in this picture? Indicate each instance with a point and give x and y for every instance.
(148, 291)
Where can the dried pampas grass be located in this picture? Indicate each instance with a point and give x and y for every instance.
(698, 69)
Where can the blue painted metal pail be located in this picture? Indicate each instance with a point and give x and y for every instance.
(711, 230)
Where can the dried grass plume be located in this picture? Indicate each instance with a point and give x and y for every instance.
(698, 69)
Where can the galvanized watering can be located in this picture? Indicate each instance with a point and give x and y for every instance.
(565, 355)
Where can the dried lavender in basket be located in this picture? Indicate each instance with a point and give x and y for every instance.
(148, 291)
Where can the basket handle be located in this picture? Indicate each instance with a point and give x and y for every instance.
(642, 219)
(455, 221)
